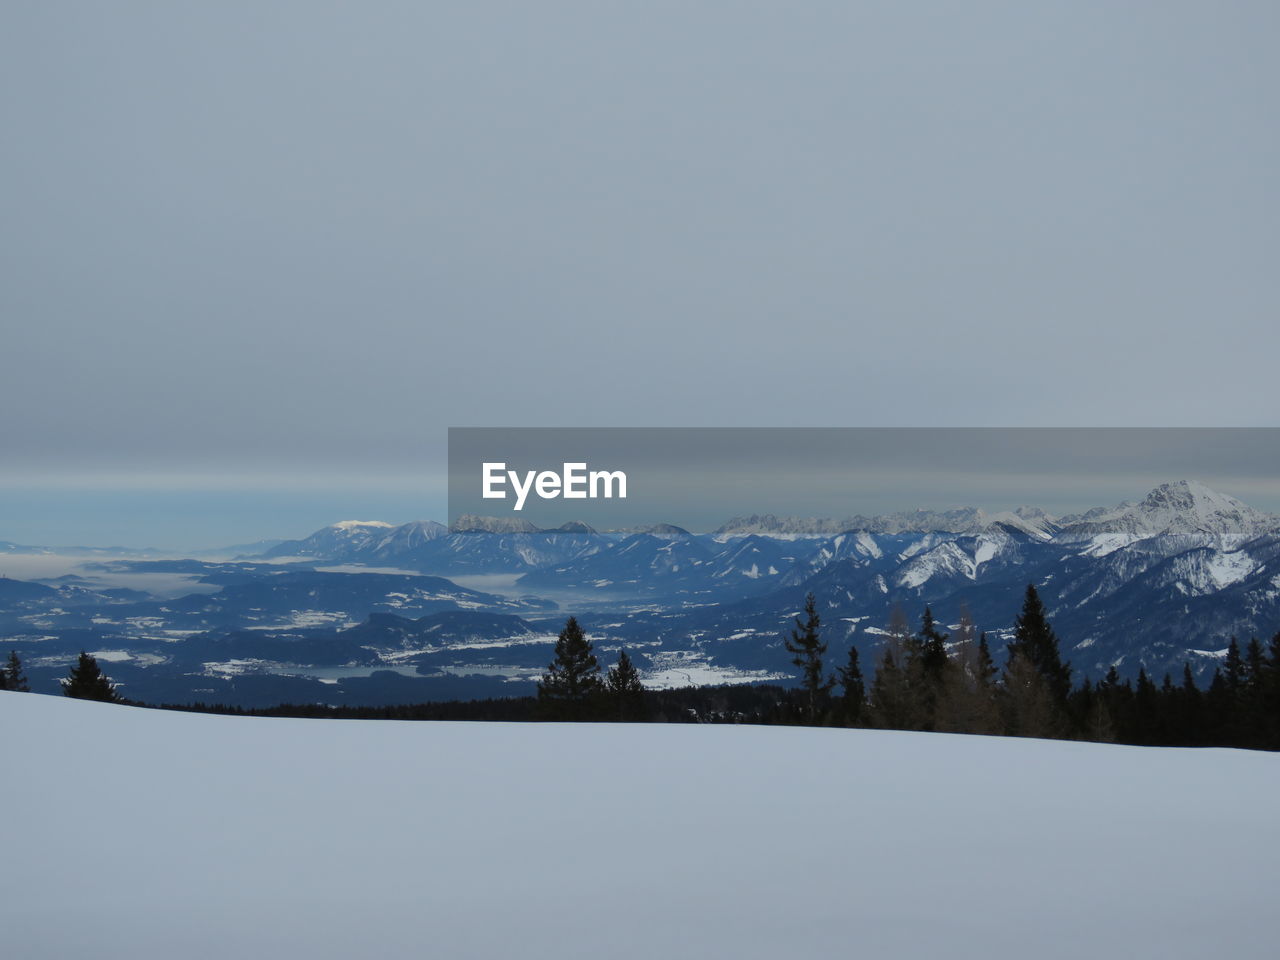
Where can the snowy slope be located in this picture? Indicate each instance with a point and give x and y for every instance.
(145, 835)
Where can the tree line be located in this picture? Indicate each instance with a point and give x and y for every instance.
(926, 679)
(929, 680)
(923, 679)
(85, 681)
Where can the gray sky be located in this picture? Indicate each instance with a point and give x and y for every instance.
(244, 245)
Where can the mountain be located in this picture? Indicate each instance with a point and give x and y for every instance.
(966, 520)
(1184, 508)
(470, 523)
(337, 541)
(781, 528)
(638, 563)
(1155, 582)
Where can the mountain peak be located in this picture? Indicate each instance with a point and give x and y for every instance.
(357, 524)
(1178, 507)
(470, 523)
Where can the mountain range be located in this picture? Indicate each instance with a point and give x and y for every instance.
(367, 611)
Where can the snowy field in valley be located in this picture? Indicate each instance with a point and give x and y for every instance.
(142, 834)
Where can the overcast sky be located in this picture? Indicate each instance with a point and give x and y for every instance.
(250, 246)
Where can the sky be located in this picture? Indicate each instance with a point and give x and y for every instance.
(254, 249)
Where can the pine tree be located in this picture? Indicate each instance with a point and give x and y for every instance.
(987, 669)
(11, 675)
(931, 667)
(1234, 670)
(854, 689)
(1030, 707)
(1144, 702)
(1035, 640)
(86, 681)
(1271, 693)
(893, 701)
(966, 700)
(933, 653)
(626, 692)
(1187, 708)
(808, 649)
(571, 686)
(1253, 711)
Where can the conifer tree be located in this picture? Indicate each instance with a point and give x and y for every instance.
(854, 689)
(1030, 706)
(893, 701)
(966, 700)
(1252, 709)
(987, 669)
(626, 692)
(1144, 702)
(1271, 691)
(1186, 708)
(571, 686)
(1097, 715)
(933, 652)
(1035, 640)
(86, 681)
(12, 676)
(808, 649)
(1234, 670)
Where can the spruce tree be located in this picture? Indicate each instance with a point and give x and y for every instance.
(11, 675)
(807, 646)
(931, 667)
(1234, 671)
(1187, 709)
(1035, 640)
(854, 689)
(895, 702)
(1030, 706)
(1270, 690)
(86, 681)
(626, 692)
(1253, 719)
(933, 654)
(987, 669)
(571, 686)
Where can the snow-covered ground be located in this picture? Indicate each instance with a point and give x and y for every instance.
(140, 834)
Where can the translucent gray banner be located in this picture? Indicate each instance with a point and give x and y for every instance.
(699, 478)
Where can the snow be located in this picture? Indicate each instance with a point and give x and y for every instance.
(987, 549)
(1229, 568)
(213, 837)
(1105, 543)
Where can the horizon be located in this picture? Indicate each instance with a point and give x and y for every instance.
(258, 505)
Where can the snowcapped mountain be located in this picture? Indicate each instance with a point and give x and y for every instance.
(1030, 520)
(1183, 508)
(406, 537)
(1157, 581)
(967, 520)
(335, 541)
(778, 528)
(664, 531)
(470, 523)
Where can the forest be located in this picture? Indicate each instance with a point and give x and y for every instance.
(923, 679)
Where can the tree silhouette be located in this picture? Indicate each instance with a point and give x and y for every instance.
(571, 687)
(86, 681)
